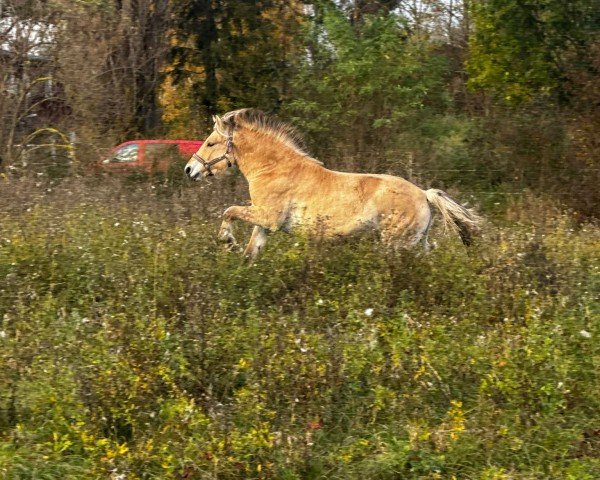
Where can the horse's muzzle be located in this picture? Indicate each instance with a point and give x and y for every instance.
(195, 171)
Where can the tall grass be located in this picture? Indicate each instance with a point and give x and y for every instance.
(132, 346)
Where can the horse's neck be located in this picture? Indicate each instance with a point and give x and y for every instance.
(260, 156)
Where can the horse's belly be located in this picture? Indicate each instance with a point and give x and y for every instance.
(331, 222)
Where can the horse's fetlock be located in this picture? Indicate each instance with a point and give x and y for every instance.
(226, 236)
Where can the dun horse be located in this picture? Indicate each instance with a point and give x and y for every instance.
(290, 191)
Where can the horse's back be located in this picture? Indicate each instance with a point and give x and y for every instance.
(388, 192)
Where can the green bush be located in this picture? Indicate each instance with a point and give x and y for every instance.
(133, 346)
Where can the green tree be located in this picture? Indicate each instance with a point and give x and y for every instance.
(363, 85)
(524, 48)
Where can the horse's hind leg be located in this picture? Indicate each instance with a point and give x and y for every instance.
(396, 240)
(256, 243)
(423, 240)
(398, 231)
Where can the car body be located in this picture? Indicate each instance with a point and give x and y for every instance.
(151, 156)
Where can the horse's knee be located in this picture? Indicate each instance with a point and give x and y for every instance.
(230, 213)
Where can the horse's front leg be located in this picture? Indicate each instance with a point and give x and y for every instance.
(226, 233)
(256, 243)
(262, 219)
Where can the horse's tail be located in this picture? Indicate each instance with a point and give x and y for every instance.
(461, 219)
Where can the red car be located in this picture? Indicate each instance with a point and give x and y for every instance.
(149, 155)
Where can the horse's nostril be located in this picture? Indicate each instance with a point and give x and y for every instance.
(188, 170)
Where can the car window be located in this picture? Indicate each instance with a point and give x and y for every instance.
(125, 154)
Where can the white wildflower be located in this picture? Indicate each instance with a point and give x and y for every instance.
(585, 334)
(369, 312)
(2, 334)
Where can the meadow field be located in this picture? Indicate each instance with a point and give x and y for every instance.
(133, 346)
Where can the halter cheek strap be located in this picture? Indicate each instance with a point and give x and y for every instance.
(229, 151)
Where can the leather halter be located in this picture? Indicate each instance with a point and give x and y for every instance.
(229, 150)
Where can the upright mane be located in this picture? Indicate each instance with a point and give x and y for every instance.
(258, 121)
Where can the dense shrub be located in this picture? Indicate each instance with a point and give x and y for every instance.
(133, 346)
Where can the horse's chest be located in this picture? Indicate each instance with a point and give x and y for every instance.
(294, 217)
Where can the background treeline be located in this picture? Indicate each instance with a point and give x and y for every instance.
(493, 96)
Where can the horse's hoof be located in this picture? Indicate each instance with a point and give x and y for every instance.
(248, 260)
(232, 247)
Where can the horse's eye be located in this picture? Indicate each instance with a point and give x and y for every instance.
(210, 144)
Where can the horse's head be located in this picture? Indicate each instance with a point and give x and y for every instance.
(216, 153)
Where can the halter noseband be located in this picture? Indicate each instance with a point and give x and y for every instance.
(229, 150)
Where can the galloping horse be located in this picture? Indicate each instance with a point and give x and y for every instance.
(289, 190)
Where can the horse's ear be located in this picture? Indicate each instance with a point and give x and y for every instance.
(218, 122)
